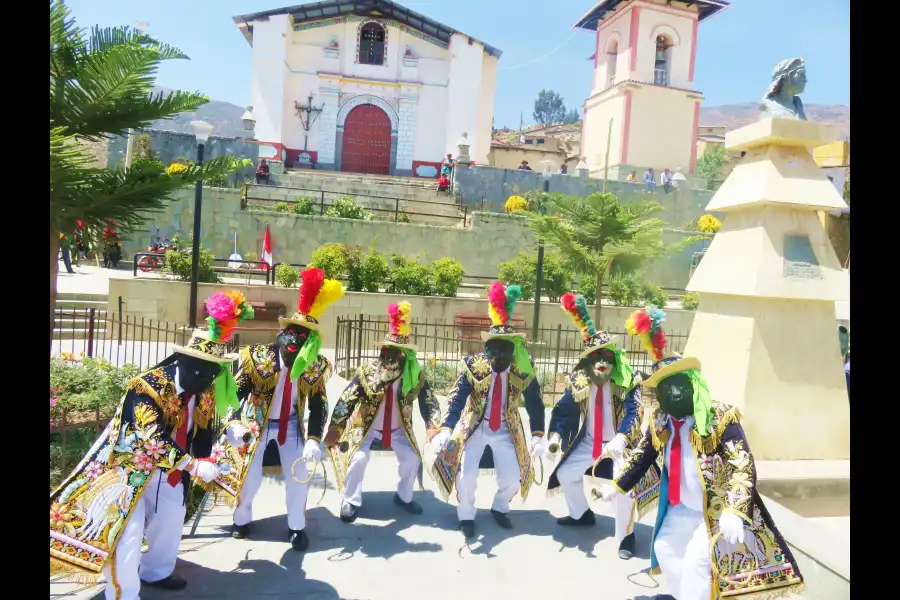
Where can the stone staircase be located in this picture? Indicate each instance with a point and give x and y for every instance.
(385, 195)
(73, 315)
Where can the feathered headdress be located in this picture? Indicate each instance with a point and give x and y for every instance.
(316, 294)
(502, 300)
(399, 314)
(646, 324)
(576, 306)
(226, 310)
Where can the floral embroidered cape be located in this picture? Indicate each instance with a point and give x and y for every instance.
(256, 380)
(569, 421)
(763, 566)
(357, 408)
(92, 506)
(468, 401)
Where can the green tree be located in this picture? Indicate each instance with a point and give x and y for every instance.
(549, 108)
(572, 116)
(709, 165)
(100, 86)
(600, 238)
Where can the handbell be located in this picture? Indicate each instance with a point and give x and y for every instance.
(344, 446)
(247, 437)
(553, 448)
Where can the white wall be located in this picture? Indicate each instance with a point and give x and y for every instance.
(678, 25)
(270, 43)
(466, 64)
(482, 137)
(614, 27)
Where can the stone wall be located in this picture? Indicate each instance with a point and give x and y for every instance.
(165, 300)
(170, 145)
(490, 239)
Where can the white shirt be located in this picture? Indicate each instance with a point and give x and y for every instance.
(378, 423)
(191, 403)
(275, 411)
(609, 430)
(502, 377)
(691, 484)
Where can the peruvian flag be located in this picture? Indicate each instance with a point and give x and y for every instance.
(267, 249)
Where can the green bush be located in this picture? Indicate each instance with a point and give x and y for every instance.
(690, 301)
(625, 290)
(655, 295)
(440, 377)
(353, 259)
(282, 207)
(332, 259)
(374, 271)
(303, 205)
(347, 208)
(588, 288)
(520, 271)
(178, 266)
(557, 276)
(448, 275)
(402, 217)
(286, 275)
(83, 386)
(412, 278)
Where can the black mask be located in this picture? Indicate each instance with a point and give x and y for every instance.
(500, 353)
(676, 396)
(195, 375)
(290, 341)
(391, 358)
(598, 365)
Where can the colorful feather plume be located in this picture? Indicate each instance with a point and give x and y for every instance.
(331, 292)
(226, 310)
(399, 314)
(502, 300)
(576, 306)
(311, 281)
(646, 324)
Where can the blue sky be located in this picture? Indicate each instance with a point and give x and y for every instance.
(736, 52)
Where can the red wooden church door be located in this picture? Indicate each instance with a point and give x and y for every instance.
(367, 141)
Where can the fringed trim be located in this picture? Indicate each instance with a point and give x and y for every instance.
(652, 505)
(140, 386)
(478, 385)
(273, 470)
(709, 444)
(554, 492)
(69, 573)
(782, 592)
(262, 384)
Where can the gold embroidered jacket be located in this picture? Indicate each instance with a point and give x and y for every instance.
(764, 562)
(92, 506)
(358, 406)
(257, 378)
(465, 413)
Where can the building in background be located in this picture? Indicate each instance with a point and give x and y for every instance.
(643, 83)
(396, 89)
(559, 143)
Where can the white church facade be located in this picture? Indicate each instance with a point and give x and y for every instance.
(390, 91)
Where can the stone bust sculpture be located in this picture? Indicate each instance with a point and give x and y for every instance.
(782, 100)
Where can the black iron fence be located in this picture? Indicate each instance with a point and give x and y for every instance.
(387, 207)
(441, 345)
(147, 262)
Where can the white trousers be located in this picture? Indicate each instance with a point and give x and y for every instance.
(571, 478)
(408, 462)
(159, 515)
(682, 549)
(290, 451)
(505, 463)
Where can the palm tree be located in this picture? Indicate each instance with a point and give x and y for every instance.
(601, 238)
(100, 86)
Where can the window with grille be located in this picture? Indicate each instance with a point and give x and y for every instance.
(371, 44)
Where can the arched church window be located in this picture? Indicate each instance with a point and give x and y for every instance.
(612, 58)
(663, 60)
(371, 44)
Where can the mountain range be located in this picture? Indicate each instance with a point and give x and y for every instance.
(226, 117)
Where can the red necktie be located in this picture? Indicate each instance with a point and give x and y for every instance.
(496, 403)
(285, 411)
(675, 465)
(388, 414)
(181, 437)
(598, 423)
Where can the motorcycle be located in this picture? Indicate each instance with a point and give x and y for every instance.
(152, 263)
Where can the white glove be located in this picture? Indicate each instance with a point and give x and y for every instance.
(538, 446)
(441, 440)
(311, 451)
(732, 527)
(616, 446)
(234, 434)
(205, 470)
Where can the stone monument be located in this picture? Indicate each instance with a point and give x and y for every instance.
(764, 330)
(782, 99)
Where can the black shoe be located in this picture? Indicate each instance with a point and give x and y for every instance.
(411, 507)
(468, 528)
(502, 519)
(587, 519)
(299, 540)
(348, 512)
(240, 532)
(626, 548)
(172, 582)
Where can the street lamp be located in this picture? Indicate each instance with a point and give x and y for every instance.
(547, 172)
(202, 130)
